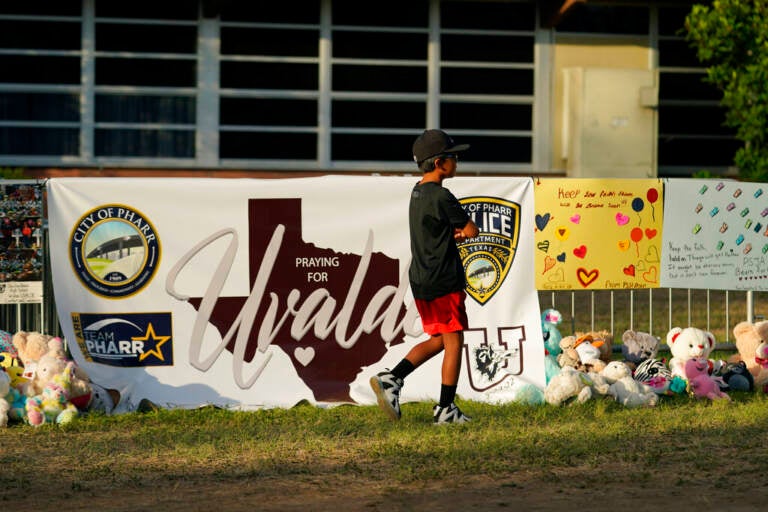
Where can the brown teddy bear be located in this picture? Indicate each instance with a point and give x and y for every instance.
(31, 346)
(568, 355)
(752, 344)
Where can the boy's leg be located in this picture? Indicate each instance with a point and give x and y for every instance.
(446, 411)
(387, 385)
(426, 350)
(452, 343)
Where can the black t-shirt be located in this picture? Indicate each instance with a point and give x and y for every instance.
(436, 267)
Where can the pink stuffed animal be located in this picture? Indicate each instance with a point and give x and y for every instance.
(700, 382)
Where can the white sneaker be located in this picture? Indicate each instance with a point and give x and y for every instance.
(387, 388)
(450, 414)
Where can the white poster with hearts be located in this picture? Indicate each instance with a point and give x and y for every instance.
(265, 293)
(598, 233)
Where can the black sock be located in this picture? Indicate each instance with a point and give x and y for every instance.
(403, 369)
(447, 394)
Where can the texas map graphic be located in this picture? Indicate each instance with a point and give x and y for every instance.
(323, 365)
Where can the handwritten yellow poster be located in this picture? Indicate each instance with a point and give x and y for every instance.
(597, 233)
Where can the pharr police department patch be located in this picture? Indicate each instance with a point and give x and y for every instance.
(488, 257)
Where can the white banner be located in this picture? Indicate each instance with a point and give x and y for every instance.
(264, 293)
(715, 235)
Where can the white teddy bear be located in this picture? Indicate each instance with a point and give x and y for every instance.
(685, 344)
(572, 385)
(5, 388)
(626, 390)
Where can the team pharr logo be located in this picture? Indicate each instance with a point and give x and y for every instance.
(114, 250)
(488, 257)
(125, 339)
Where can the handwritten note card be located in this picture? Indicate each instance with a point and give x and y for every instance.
(715, 235)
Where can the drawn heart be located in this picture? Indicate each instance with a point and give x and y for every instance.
(630, 270)
(653, 254)
(650, 276)
(557, 276)
(580, 251)
(586, 277)
(575, 218)
(543, 246)
(304, 355)
(640, 265)
(562, 233)
(622, 219)
(549, 262)
(623, 245)
(650, 233)
(561, 257)
(542, 221)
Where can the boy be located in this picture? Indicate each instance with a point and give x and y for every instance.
(436, 221)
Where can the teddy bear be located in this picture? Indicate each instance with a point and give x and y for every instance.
(700, 383)
(752, 346)
(574, 386)
(53, 363)
(625, 389)
(13, 368)
(52, 405)
(550, 319)
(18, 403)
(5, 406)
(568, 355)
(602, 340)
(637, 347)
(688, 343)
(6, 344)
(31, 346)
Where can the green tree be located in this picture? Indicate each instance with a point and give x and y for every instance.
(12, 173)
(731, 38)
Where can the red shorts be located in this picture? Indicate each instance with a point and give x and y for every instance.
(443, 314)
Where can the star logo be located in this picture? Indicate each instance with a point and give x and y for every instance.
(151, 339)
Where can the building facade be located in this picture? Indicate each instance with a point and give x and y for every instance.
(252, 88)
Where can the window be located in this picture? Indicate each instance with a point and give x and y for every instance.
(327, 84)
(39, 84)
(145, 74)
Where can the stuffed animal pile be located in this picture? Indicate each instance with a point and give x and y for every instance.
(642, 378)
(38, 383)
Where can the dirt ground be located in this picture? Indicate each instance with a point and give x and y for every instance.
(571, 489)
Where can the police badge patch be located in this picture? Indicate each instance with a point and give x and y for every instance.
(488, 257)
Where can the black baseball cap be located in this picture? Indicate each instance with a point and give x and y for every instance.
(433, 143)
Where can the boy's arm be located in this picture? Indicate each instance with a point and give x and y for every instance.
(468, 231)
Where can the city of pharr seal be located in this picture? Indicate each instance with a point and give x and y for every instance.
(114, 250)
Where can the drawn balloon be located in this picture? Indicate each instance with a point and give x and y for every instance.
(636, 234)
(638, 205)
(652, 195)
